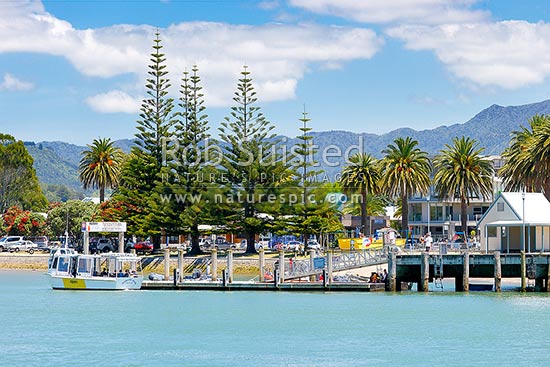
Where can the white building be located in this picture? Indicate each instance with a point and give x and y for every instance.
(501, 226)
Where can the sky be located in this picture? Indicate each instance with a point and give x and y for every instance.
(75, 70)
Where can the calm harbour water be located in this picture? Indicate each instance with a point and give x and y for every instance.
(42, 327)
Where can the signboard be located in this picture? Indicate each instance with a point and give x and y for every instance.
(319, 263)
(104, 227)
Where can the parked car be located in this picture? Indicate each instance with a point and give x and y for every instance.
(222, 244)
(313, 245)
(8, 241)
(102, 245)
(295, 246)
(24, 245)
(143, 247)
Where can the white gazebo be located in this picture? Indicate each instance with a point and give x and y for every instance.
(516, 221)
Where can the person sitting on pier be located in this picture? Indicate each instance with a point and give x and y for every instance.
(103, 272)
(374, 277)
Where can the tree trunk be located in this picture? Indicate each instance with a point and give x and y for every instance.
(364, 224)
(250, 241)
(194, 234)
(464, 217)
(101, 194)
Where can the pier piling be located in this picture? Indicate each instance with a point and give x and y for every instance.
(329, 266)
(466, 272)
(523, 272)
(498, 272)
(230, 266)
(424, 272)
(166, 263)
(214, 256)
(281, 266)
(312, 264)
(262, 264)
(548, 274)
(392, 268)
(180, 264)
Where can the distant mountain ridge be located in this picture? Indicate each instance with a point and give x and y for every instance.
(57, 162)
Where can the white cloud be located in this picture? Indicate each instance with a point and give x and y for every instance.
(11, 83)
(508, 54)
(406, 11)
(278, 55)
(114, 101)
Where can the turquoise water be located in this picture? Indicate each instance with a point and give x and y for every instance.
(41, 327)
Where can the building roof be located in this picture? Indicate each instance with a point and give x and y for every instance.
(533, 205)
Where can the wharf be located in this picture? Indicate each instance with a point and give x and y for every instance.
(193, 285)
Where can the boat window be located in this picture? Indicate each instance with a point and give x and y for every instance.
(54, 264)
(84, 265)
(63, 264)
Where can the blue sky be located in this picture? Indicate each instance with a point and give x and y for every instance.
(75, 70)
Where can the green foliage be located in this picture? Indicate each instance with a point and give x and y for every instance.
(462, 173)
(61, 193)
(100, 166)
(527, 158)
(18, 182)
(184, 179)
(16, 221)
(73, 213)
(251, 167)
(405, 172)
(362, 176)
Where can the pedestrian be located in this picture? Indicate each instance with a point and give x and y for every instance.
(428, 241)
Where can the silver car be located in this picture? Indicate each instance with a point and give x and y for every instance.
(9, 241)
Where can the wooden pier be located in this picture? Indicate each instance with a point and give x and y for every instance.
(424, 268)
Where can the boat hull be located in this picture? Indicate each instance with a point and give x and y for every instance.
(95, 283)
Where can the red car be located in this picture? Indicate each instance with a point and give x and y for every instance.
(143, 246)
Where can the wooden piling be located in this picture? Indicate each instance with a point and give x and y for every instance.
(180, 264)
(523, 272)
(166, 263)
(312, 264)
(548, 274)
(214, 256)
(392, 268)
(466, 272)
(281, 266)
(262, 264)
(498, 272)
(329, 266)
(230, 266)
(424, 272)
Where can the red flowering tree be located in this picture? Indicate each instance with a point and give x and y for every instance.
(16, 221)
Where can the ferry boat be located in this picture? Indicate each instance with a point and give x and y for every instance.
(112, 271)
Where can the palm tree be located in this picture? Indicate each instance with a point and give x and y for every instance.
(100, 166)
(361, 175)
(462, 173)
(405, 172)
(527, 158)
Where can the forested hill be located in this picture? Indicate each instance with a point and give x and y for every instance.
(57, 162)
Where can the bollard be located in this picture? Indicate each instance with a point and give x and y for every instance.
(466, 272)
(214, 265)
(275, 278)
(523, 272)
(324, 278)
(224, 278)
(498, 272)
(262, 264)
(167, 263)
(230, 265)
(548, 274)
(175, 278)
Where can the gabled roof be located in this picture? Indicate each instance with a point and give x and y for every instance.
(534, 204)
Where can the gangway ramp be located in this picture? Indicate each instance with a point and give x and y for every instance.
(295, 269)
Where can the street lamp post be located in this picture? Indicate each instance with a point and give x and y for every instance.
(428, 199)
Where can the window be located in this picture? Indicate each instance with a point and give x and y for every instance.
(491, 231)
(500, 207)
